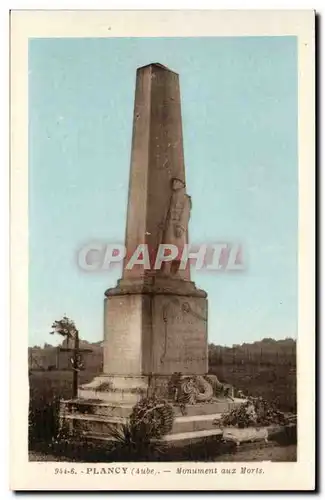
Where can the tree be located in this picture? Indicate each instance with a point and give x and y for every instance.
(66, 328)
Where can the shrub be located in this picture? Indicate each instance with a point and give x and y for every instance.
(254, 412)
(43, 419)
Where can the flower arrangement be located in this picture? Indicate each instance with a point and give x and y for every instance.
(255, 412)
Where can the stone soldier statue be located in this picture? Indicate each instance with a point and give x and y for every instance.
(176, 224)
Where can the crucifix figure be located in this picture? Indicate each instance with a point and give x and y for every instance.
(76, 361)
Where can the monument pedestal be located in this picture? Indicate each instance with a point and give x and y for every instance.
(153, 329)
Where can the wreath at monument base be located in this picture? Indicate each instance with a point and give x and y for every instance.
(153, 416)
(189, 390)
(196, 389)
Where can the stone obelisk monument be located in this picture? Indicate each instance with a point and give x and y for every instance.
(155, 319)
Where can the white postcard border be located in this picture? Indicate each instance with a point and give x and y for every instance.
(38, 24)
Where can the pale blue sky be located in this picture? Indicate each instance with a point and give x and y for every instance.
(239, 107)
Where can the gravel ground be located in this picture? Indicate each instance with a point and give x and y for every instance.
(271, 452)
(248, 453)
(35, 456)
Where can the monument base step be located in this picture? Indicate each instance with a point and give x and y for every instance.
(179, 438)
(99, 424)
(192, 437)
(92, 418)
(129, 389)
(82, 406)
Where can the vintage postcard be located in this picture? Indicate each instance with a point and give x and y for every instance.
(162, 250)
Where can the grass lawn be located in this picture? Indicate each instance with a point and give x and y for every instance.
(45, 384)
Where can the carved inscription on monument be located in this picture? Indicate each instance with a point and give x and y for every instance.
(183, 340)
